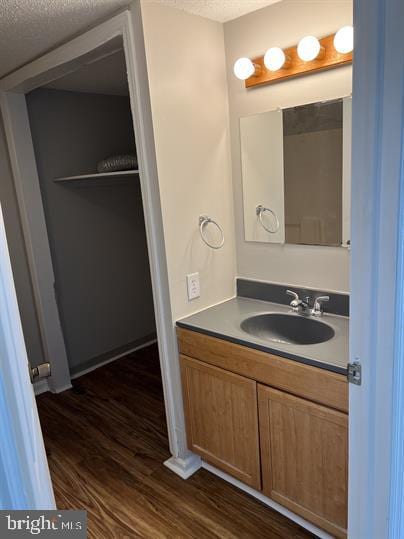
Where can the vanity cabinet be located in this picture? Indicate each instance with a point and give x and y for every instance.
(221, 419)
(275, 424)
(304, 458)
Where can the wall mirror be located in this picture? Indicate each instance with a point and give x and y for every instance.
(296, 174)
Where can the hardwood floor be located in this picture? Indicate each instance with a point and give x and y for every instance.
(106, 441)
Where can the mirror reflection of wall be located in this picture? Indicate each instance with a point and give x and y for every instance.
(262, 169)
(296, 163)
(312, 159)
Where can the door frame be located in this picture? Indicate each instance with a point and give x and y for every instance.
(25, 482)
(376, 420)
(51, 66)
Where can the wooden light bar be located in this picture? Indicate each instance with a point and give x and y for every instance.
(297, 67)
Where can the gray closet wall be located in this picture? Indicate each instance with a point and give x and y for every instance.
(96, 233)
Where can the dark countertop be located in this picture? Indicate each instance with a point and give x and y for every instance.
(223, 321)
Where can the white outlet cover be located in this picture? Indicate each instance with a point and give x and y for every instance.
(193, 286)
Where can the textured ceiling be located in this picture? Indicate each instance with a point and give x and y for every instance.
(29, 28)
(218, 10)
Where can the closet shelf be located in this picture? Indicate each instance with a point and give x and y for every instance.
(96, 177)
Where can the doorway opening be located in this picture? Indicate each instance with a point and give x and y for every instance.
(110, 426)
(85, 151)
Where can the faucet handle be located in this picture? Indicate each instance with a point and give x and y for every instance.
(293, 294)
(318, 308)
(296, 302)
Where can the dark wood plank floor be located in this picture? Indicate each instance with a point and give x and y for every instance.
(106, 441)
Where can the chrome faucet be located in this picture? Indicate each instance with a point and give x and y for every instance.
(299, 305)
(317, 309)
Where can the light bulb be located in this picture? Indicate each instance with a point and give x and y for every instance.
(308, 48)
(243, 68)
(343, 40)
(274, 58)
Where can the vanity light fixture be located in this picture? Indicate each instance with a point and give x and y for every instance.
(343, 40)
(244, 68)
(309, 49)
(275, 59)
(310, 55)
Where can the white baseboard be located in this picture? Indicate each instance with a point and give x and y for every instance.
(41, 386)
(184, 467)
(267, 501)
(60, 389)
(111, 359)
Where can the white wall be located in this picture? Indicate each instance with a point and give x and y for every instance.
(187, 78)
(283, 25)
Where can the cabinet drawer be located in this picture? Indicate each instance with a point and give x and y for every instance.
(304, 458)
(313, 383)
(222, 419)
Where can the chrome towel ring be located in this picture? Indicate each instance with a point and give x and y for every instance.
(260, 209)
(205, 220)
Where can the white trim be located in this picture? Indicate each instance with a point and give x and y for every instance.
(19, 395)
(61, 389)
(378, 89)
(41, 386)
(346, 170)
(168, 349)
(54, 65)
(267, 501)
(111, 359)
(397, 487)
(394, 168)
(184, 467)
(64, 59)
(26, 181)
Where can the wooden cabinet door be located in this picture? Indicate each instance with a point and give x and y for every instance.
(304, 458)
(222, 419)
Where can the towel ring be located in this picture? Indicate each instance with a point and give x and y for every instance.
(205, 220)
(260, 209)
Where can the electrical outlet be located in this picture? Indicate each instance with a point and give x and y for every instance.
(194, 289)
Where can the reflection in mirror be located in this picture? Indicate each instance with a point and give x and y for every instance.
(262, 169)
(312, 164)
(296, 165)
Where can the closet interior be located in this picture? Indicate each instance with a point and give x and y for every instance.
(85, 150)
